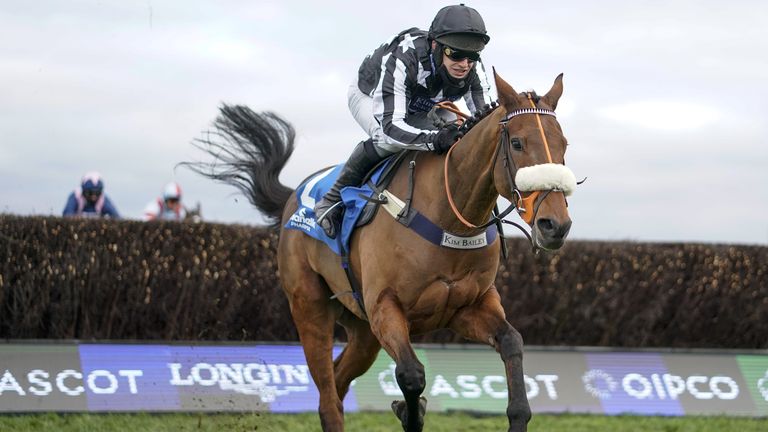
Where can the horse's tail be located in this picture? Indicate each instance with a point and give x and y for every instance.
(249, 150)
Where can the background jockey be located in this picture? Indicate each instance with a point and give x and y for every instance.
(89, 200)
(395, 108)
(168, 207)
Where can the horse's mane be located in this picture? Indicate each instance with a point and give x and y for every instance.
(479, 115)
(488, 109)
(536, 98)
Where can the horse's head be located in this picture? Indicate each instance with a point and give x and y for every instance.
(530, 170)
(194, 214)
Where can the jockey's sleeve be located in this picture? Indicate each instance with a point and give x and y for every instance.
(479, 93)
(390, 107)
(152, 210)
(70, 209)
(109, 209)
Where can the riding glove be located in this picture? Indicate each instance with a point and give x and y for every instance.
(445, 138)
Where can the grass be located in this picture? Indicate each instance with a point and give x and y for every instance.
(365, 422)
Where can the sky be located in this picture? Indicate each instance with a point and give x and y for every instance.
(665, 102)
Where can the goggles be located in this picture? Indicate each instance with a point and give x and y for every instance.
(459, 55)
(92, 192)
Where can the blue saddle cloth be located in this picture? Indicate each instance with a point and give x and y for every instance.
(313, 189)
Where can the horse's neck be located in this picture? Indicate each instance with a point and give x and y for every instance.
(470, 176)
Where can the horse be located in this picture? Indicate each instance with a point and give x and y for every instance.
(193, 214)
(408, 285)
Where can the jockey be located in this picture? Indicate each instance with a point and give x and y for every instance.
(168, 207)
(396, 107)
(89, 200)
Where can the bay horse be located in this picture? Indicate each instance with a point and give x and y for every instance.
(409, 285)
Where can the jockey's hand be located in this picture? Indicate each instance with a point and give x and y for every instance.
(434, 115)
(445, 138)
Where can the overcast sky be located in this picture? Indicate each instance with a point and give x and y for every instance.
(665, 102)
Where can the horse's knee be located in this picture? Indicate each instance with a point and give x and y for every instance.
(411, 378)
(510, 343)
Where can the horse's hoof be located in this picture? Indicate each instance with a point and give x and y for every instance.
(400, 408)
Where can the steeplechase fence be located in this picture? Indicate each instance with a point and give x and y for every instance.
(163, 281)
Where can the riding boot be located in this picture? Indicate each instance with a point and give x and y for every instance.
(328, 210)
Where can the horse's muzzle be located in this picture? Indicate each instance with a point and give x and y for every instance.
(550, 234)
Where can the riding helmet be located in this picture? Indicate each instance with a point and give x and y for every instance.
(172, 191)
(91, 182)
(459, 27)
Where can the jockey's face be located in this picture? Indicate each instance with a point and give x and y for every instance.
(458, 69)
(172, 203)
(92, 195)
(457, 63)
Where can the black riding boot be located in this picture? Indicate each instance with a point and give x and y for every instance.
(328, 210)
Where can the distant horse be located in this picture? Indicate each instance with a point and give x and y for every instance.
(409, 285)
(194, 214)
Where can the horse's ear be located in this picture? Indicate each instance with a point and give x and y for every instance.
(553, 95)
(507, 95)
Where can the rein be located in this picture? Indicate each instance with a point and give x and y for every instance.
(532, 201)
(450, 106)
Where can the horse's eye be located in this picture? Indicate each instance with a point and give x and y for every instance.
(517, 143)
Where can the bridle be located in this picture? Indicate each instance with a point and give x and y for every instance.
(527, 207)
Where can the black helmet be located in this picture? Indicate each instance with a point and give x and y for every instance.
(459, 27)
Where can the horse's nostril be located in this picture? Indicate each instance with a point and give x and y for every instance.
(553, 229)
(545, 225)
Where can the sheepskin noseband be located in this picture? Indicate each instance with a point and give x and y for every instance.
(546, 176)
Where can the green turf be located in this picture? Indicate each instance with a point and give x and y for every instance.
(365, 422)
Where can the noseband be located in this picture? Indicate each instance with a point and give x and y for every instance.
(546, 178)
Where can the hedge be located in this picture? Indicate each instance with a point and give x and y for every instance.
(92, 279)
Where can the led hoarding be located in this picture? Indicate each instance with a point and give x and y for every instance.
(137, 377)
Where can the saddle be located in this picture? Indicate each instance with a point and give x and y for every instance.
(360, 202)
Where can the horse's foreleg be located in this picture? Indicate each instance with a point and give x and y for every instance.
(389, 324)
(485, 322)
(359, 353)
(315, 316)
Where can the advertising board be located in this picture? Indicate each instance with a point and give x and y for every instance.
(275, 378)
